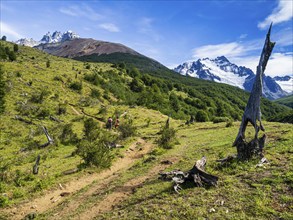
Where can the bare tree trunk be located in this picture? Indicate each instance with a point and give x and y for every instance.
(36, 166)
(252, 111)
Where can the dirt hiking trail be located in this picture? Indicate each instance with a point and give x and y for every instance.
(52, 198)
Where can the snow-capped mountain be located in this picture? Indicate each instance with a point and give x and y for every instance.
(223, 71)
(56, 37)
(286, 83)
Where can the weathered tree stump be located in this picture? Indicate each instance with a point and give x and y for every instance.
(252, 111)
(197, 175)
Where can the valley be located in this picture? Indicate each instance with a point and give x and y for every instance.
(73, 100)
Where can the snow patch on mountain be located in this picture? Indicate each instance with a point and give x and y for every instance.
(222, 70)
(224, 74)
(56, 37)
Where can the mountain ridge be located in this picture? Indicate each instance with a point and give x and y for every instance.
(55, 37)
(222, 70)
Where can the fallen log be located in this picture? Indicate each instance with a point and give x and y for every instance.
(197, 175)
(17, 117)
(70, 171)
(50, 140)
(55, 119)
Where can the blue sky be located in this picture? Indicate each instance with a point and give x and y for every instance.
(171, 32)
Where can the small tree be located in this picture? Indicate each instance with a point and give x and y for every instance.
(95, 153)
(2, 91)
(76, 86)
(127, 129)
(168, 138)
(68, 136)
(201, 116)
(48, 63)
(90, 130)
(94, 147)
(12, 56)
(4, 38)
(15, 48)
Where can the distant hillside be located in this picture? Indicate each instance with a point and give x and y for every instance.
(288, 101)
(148, 84)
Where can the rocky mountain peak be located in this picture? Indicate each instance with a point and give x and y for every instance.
(222, 70)
(56, 37)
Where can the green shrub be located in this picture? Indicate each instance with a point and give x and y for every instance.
(15, 48)
(95, 93)
(43, 113)
(58, 78)
(4, 200)
(48, 63)
(91, 130)
(68, 136)
(220, 119)
(201, 116)
(95, 153)
(61, 109)
(12, 56)
(77, 86)
(168, 138)
(2, 90)
(127, 129)
(39, 96)
(18, 74)
(229, 124)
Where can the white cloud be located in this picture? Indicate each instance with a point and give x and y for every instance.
(9, 32)
(232, 49)
(280, 65)
(109, 27)
(244, 54)
(282, 13)
(81, 11)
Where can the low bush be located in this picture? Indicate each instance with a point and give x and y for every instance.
(95, 153)
(220, 119)
(77, 86)
(201, 116)
(61, 109)
(68, 136)
(127, 129)
(95, 93)
(168, 138)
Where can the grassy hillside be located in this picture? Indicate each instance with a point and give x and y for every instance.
(288, 101)
(63, 95)
(216, 100)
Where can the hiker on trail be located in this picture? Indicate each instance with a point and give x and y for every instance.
(109, 123)
(117, 122)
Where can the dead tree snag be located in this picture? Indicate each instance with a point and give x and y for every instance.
(252, 111)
